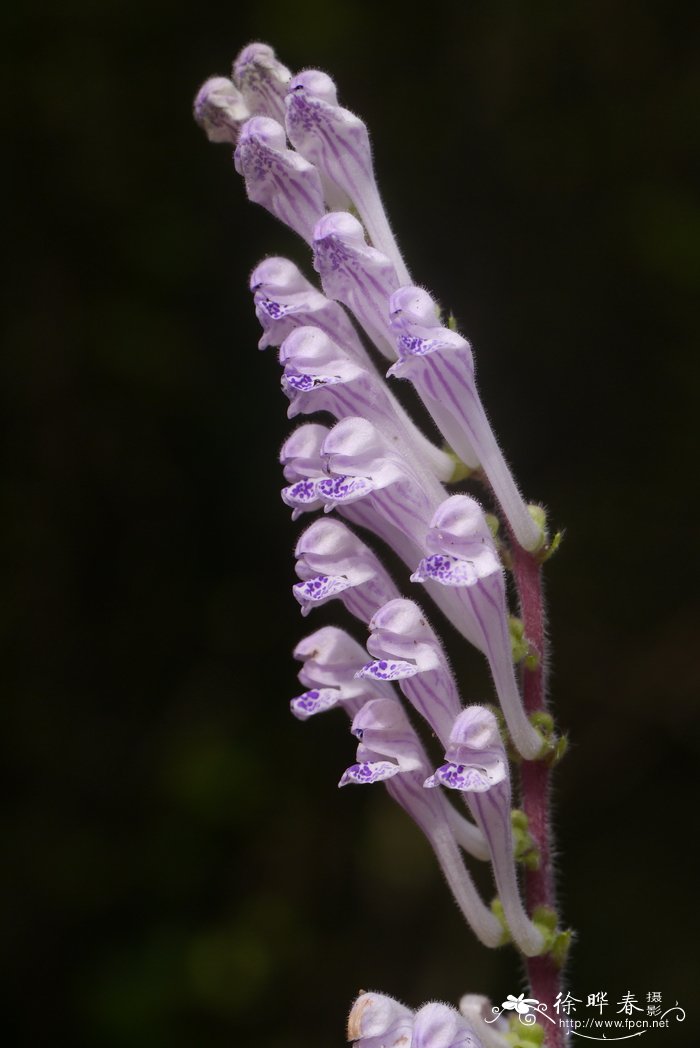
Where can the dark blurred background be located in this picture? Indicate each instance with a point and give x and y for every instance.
(180, 868)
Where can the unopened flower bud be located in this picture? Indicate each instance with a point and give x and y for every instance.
(220, 110)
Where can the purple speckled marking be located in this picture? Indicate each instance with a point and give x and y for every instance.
(448, 571)
(320, 588)
(344, 489)
(301, 493)
(410, 346)
(274, 310)
(388, 669)
(368, 772)
(464, 777)
(318, 700)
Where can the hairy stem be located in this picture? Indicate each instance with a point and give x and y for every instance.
(545, 977)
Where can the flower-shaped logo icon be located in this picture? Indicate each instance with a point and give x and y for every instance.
(520, 1004)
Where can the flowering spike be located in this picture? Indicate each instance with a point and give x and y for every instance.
(220, 110)
(440, 365)
(337, 143)
(377, 1019)
(436, 1025)
(285, 299)
(332, 561)
(279, 179)
(478, 767)
(357, 275)
(463, 558)
(263, 80)
(407, 649)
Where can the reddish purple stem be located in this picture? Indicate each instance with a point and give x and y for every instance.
(544, 976)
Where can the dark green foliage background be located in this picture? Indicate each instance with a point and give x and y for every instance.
(179, 867)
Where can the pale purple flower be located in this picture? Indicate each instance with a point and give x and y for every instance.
(407, 650)
(220, 110)
(333, 562)
(359, 276)
(390, 751)
(440, 365)
(378, 1021)
(321, 375)
(492, 1031)
(463, 559)
(478, 767)
(437, 1025)
(337, 143)
(388, 744)
(303, 468)
(278, 178)
(331, 659)
(262, 79)
(285, 299)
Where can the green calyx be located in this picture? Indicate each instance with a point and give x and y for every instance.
(553, 746)
(521, 1036)
(461, 470)
(524, 848)
(523, 650)
(498, 912)
(556, 941)
(547, 547)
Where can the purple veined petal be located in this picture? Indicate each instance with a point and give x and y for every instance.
(262, 79)
(285, 299)
(388, 669)
(439, 363)
(376, 1019)
(337, 143)
(357, 275)
(367, 772)
(220, 110)
(278, 178)
(317, 700)
(436, 1025)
